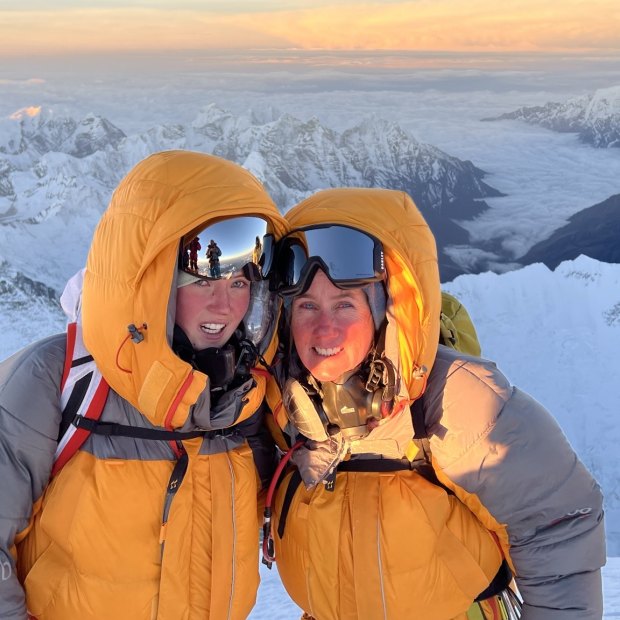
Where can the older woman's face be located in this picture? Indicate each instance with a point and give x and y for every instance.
(209, 311)
(332, 328)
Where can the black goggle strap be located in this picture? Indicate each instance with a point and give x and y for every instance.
(350, 257)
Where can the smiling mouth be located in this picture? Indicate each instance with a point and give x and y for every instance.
(327, 352)
(213, 329)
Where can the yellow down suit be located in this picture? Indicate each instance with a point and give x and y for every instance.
(394, 545)
(96, 545)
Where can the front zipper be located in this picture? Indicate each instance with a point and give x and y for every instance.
(234, 530)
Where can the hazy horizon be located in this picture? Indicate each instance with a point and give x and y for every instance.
(475, 25)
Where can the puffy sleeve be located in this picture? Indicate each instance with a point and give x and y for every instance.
(500, 445)
(29, 422)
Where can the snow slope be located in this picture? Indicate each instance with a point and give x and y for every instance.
(556, 335)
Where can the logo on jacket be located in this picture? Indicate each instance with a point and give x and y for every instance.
(5, 569)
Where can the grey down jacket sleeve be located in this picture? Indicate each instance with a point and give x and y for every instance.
(29, 421)
(498, 443)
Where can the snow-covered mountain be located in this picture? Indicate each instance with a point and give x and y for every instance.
(595, 117)
(29, 309)
(40, 130)
(57, 173)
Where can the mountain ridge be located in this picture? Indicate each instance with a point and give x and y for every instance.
(594, 117)
(593, 232)
(55, 170)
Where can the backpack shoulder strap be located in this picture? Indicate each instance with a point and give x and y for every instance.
(83, 393)
(420, 434)
(456, 329)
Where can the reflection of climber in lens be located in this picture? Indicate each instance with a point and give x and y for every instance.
(257, 252)
(194, 246)
(213, 256)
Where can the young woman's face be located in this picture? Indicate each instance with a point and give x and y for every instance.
(332, 328)
(209, 311)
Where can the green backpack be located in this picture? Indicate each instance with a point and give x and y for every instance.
(457, 330)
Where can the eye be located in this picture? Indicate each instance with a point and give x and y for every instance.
(305, 305)
(345, 305)
(239, 284)
(202, 283)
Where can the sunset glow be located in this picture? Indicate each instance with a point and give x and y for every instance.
(30, 111)
(455, 25)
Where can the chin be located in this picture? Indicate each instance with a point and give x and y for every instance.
(201, 345)
(326, 374)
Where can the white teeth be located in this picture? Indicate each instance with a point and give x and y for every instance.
(328, 352)
(212, 328)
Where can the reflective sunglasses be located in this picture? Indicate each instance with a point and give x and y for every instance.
(235, 246)
(349, 257)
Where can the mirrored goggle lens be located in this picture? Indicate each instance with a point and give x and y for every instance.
(349, 255)
(230, 247)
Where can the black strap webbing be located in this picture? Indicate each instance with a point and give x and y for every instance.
(110, 429)
(419, 425)
(73, 404)
(420, 466)
(500, 582)
(81, 360)
(378, 465)
(293, 484)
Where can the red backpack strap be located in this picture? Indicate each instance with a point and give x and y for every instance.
(73, 439)
(83, 393)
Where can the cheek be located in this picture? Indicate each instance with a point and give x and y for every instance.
(239, 304)
(366, 331)
(185, 308)
(361, 336)
(299, 329)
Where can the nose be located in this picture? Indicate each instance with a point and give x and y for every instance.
(324, 324)
(217, 298)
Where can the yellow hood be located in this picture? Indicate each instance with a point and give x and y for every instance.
(131, 269)
(411, 261)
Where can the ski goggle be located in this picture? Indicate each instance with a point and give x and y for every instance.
(349, 257)
(235, 246)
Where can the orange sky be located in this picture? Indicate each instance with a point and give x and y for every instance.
(455, 25)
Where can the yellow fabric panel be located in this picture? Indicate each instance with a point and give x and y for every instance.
(104, 554)
(212, 538)
(36, 507)
(155, 383)
(276, 418)
(412, 544)
(99, 524)
(276, 432)
(131, 265)
(484, 516)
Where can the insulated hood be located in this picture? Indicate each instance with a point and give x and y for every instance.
(131, 269)
(411, 261)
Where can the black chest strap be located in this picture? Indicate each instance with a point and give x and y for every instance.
(111, 429)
